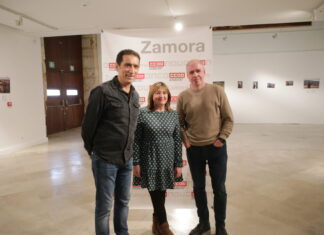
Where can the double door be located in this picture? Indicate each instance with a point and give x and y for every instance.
(64, 101)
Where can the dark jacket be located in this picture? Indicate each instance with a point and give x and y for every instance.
(110, 121)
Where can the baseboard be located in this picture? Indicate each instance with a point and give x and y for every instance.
(17, 147)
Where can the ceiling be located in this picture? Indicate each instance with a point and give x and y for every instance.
(57, 16)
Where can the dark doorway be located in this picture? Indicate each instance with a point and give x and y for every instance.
(64, 102)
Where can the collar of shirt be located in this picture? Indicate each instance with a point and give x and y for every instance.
(117, 85)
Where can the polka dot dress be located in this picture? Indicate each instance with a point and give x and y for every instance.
(157, 149)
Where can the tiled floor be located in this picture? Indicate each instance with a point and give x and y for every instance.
(275, 186)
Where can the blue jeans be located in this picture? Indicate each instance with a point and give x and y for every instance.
(216, 158)
(112, 182)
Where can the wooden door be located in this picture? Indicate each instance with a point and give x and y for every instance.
(64, 103)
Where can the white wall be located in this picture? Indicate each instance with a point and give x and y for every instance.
(23, 124)
(245, 55)
(274, 56)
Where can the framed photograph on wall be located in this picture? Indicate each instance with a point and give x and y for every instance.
(289, 83)
(239, 84)
(4, 85)
(309, 84)
(219, 83)
(271, 85)
(255, 85)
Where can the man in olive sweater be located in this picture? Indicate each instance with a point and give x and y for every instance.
(206, 122)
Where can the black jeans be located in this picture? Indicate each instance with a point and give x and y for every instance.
(158, 201)
(216, 158)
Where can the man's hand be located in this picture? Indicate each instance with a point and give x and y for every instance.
(186, 144)
(137, 171)
(177, 172)
(218, 143)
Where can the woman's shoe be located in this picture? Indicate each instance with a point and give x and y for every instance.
(155, 226)
(164, 229)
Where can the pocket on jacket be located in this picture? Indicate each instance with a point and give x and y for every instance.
(115, 104)
(136, 105)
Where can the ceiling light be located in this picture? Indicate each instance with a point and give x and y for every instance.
(12, 20)
(19, 22)
(85, 3)
(178, 26)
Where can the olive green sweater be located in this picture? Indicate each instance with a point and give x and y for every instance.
(205, 115)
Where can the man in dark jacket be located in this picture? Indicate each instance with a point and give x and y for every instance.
(108, 133)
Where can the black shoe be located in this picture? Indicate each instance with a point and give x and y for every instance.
(220, 230)
(201, 228)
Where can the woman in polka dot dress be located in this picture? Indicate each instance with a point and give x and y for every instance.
(158, 152)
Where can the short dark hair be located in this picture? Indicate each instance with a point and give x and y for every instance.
(120, 55)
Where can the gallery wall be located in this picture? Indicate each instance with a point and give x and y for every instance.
(266, 56)
(22, 124)
(272, 56)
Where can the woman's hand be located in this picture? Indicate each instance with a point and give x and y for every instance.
(177, 172)
(137, 171)
(187, 144)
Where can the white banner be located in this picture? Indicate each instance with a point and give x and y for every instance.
(164, 54)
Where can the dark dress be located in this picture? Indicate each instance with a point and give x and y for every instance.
(157, 149)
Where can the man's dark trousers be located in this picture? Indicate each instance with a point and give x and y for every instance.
(216, 158)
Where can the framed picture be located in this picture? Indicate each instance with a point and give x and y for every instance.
(289, 83)
(255, 85)
(309, 84)
(239, 84)
(271, 85)
(4, 85)
(219, 83)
